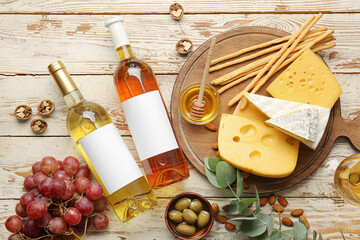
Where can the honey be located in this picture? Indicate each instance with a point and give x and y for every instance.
(211, 99)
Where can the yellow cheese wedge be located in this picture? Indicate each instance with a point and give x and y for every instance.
(250, 145)
(307, 80)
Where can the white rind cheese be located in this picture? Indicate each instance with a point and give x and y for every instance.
(274, 107)
(301, 124)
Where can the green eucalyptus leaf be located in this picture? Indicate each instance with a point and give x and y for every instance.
(275, 235)
(314, 235)
(212, 162)
(258, 202)
(244, 203)
(206, 163)
(225, 174)
(300, 231)
(270, 225)
(233, 207)
(320, 236)
(211, 177)
(287, 234)
(239, 183)
(244, 218)
(253, 228)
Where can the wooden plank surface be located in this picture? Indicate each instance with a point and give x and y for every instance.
(84, 43)
(162, 6)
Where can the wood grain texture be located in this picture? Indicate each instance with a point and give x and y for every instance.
(162, 6)
(150, 224)
(84, 43)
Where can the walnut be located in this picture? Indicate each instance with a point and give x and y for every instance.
(38, 125)
(184, 46)
(23, 112)
(176, 11)
(46, 107)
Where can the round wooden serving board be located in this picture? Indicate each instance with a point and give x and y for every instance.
(196, 141)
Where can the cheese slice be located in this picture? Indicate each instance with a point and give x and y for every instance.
(250, 145)
(301, 124)
(273, 107)
(307, 80)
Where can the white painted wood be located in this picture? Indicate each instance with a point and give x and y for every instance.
(82, 41)
(162, 6)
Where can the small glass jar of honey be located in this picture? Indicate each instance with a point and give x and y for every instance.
(190, 94)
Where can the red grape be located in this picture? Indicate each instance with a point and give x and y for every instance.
(36, 209)
(57, 187)
(48, 165)
(15, 236)
(20, 210)
(27, 198)
(85, 206)
(45, 186)
(94, 191)
(57, 225)
(35, 191)
(13, 224)
(100, 221)
(36, 168)
(38, 177)
(69, 190)
(42, 198)
(61, 175)
(30, 229)
(81, 184)
(100, 204)
(84, 171)
(72, 216)
(60, 165)
(44, 221)
(71, 165)
(29, 183)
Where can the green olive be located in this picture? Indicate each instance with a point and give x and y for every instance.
(176, 216)
(203, 219)
(189, 216)
(182, 204)
(196, 206)
(185, 230)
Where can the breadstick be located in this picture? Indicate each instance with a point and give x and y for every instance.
(293, 41)
(262, 45)
(255, 55)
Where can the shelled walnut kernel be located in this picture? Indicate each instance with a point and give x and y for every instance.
(46, 107)
(184, 46)
(23, 112)
(176, 11)
(38, 125)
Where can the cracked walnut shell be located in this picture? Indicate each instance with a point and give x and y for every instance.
(176, 11)
(46, 107)
(38, 125)
(184, 46)
(23, 112)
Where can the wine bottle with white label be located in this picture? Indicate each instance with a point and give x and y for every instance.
(146, 114)
(104, 150)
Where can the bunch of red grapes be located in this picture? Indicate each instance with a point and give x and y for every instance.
(60, 203)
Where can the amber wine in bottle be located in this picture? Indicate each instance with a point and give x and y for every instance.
(104, 150)
(146, 114)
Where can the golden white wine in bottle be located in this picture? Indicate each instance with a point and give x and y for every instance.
(104, 150)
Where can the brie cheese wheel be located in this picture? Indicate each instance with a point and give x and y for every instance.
(273, 107)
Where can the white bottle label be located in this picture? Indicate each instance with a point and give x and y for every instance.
(110, 157)
(149, 124)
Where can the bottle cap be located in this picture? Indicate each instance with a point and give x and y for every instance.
(62, 77)
(117, 31)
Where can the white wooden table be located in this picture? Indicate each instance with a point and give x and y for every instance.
(38, 32)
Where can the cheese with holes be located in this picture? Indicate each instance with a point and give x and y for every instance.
(307, 80)
(273, 108)
(301, 124)
(252, 146)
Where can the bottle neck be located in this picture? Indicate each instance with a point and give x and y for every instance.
(125, 52)
(73, 98)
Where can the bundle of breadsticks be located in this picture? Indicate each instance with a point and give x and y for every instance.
(283, 51)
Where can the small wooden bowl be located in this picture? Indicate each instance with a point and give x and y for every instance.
(200, 233)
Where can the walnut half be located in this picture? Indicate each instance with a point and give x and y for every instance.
(46, 107)
(184, 46)
(38, 125)
(23, 112)
(176, 11)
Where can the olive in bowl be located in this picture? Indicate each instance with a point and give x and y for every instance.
(189, 216)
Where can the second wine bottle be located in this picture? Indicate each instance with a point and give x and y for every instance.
(146, 114)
